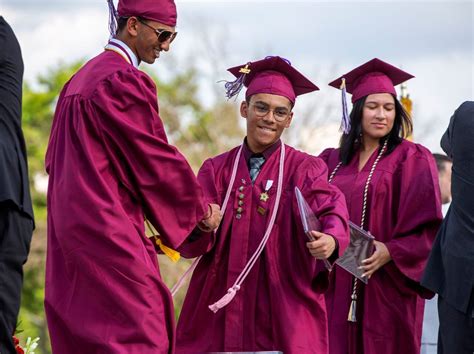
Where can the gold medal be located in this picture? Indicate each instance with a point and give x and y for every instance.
(264, 196)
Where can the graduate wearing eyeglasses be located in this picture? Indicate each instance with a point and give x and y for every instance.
(259, 284)
(110, 166)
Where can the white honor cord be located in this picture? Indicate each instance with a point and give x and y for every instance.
(227, 298)
(181, 280)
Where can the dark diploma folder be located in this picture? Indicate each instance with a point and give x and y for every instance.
(309, 220)
(361, 246)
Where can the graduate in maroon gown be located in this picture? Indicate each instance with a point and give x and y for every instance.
(279, 305)
(110, 166)
(402, 210)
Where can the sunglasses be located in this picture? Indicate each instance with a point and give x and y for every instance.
(162, 34)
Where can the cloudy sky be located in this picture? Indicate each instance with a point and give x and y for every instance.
(433, 40)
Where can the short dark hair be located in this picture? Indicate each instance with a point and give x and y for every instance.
(121, 23)
(350, 142)
(441, 161)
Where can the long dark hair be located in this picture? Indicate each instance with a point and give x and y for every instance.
(350, 143)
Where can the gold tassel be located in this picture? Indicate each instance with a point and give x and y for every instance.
(407, 104)
(169, 252)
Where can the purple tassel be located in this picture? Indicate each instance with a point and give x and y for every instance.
(233, 88)
(272, 56)
(346, 121)
(112, 18)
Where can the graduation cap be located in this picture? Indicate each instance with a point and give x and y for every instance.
(273, 75)
(163, 11)
(375, 76)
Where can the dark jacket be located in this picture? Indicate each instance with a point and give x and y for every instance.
(14, 186)
(450, 269)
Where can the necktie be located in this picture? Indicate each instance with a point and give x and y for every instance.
(255, 165)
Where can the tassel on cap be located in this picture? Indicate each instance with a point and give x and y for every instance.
(223, 301)
(113, 15)
(346, 121)
(273, 56)
(233, 88)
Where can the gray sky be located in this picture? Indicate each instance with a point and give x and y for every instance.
(433, 40)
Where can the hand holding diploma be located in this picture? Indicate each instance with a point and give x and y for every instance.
(323, 245)
(379, 258)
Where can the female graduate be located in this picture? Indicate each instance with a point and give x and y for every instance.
(391, 190)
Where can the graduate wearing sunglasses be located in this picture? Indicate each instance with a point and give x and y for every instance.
(110, 166)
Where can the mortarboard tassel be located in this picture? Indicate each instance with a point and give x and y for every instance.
(233, 88)
(112, 18)
(169, 252)
(273, 56)
(351, 316)
(346, 121)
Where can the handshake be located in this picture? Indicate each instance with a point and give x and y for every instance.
(212, 219)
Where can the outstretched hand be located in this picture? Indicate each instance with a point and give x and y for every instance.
(211, 221)
(323, 245)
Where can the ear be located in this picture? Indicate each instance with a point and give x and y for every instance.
(244, 109)
(288, 122)
(132, 24)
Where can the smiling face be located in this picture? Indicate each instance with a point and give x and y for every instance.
(147, 45)
(141, 37)
(264, 130)
(378, 116)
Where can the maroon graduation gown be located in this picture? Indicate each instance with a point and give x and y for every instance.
(109, 164)
(403, 212)
(280, 306)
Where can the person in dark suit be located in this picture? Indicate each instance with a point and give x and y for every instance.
(16, 212)
(429, 336)
(450, 269)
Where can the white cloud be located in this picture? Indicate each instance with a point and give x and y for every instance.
(431, 39)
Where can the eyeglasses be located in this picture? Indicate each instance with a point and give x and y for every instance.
(162, 34)
(261, 110)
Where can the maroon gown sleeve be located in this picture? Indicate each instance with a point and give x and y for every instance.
(152, 170)
(327, 202)
(329, 206)
(201, 242)
(417, 219)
